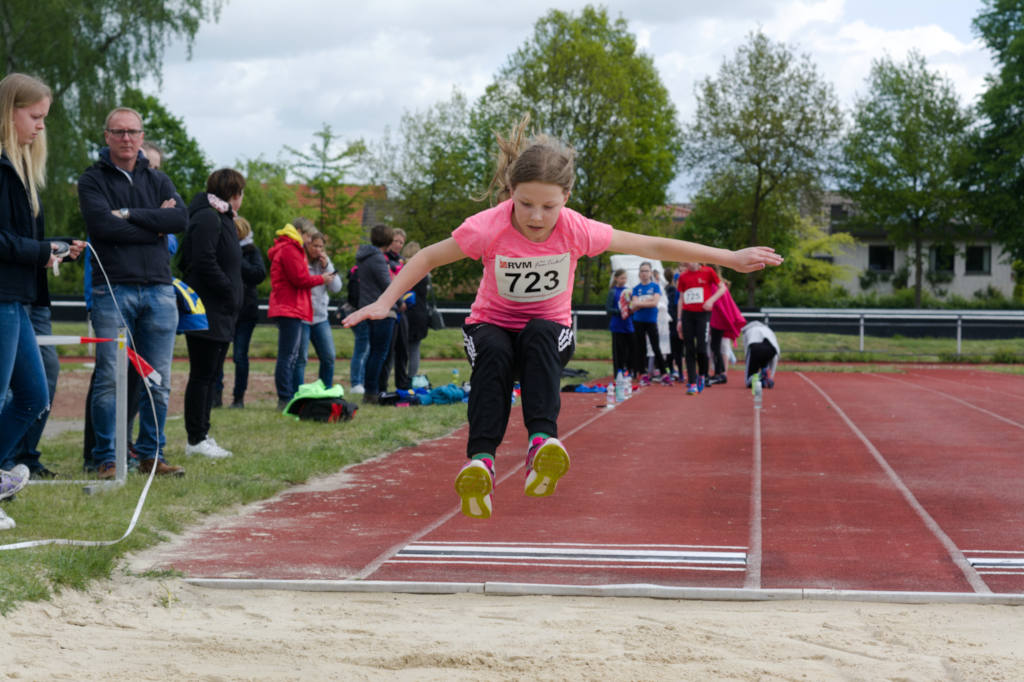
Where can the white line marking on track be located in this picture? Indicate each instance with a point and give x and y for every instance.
(573, 565)
(372, 567)
(953, 398)
(955, 554)
(999, 394)
(753, 579)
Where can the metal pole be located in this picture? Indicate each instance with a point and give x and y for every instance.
(121, 404)
(862, 332)
(959, 333)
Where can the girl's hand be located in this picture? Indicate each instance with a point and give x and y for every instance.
(77, 246)
(374, 311)
(755, 258)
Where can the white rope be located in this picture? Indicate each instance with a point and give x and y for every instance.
(149, 481)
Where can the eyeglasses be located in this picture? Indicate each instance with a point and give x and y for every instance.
(124, 132)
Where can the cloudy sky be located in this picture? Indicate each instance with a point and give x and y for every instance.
(270, 73)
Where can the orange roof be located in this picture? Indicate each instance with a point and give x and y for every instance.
(307, 197)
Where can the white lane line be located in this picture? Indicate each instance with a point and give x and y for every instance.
(928, 377)
(573, 566)
(526, 552)
(391, 551)
(975, 581)
(753, 579)
(953, 398)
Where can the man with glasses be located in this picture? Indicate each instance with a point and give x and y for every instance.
(129, 210)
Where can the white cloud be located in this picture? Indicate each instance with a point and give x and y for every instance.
(272, 73)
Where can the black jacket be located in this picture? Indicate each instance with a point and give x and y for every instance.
(212, 261)
(419, 317)
(374, 274)
(254, 271)
(22, 254)
(132, 251)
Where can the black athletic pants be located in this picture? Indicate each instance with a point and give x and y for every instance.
(759, 356)
(205, 360)
(648, 331)
(536, 355)
(716, 350)
(623, 352)
(695, 343)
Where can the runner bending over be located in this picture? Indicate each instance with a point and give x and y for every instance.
(520, 322)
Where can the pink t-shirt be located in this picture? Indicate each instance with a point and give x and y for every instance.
(524, 280)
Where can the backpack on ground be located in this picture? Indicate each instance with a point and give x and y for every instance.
(316, 402)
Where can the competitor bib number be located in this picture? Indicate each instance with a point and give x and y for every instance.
(532, 279)
(693, 295)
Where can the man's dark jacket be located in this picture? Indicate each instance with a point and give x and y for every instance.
(132, 251)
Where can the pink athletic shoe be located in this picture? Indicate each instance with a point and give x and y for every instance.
(474, 485)
(546, 462)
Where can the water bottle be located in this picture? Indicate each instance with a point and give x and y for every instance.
(620, 387)
(755, 388)
(610, 396)
(629, 385)
(455, 376)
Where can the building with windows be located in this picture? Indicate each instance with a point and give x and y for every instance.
(963, 268)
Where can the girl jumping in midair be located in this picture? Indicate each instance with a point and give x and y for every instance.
(520, 322)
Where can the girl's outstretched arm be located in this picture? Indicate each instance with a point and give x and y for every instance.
(662, 248)
(433, 256)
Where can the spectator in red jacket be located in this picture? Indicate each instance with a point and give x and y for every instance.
(291, 303)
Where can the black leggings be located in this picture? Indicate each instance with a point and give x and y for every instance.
(649, 331)
(205, 360)
(623, 352)
(716, 349)
(536, 355)
(695, 343)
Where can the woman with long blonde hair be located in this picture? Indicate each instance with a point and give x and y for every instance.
(24, 104)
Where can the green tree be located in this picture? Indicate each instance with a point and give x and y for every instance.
(903, 157)
(183, 160)
(583, 79)
(997, 174)
(767, 120)
(808, 278)
(88, 52)
(433, 168)
(325, 171)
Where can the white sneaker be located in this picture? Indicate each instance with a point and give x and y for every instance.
(207, 448)
(6, 522)
(358, 389)
(217, 446)
(12, 481)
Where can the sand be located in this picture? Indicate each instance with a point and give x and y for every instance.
(136, 628)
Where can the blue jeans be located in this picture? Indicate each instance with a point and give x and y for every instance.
(21, 370)
(27, 452)
(381, 332)
(150, 312)
(289, 339)
(323, 343)
(240, 350)
(360, 351)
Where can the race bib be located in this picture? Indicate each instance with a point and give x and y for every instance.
(693, 295)
(532, 279)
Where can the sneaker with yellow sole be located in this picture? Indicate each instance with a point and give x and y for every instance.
(474, 484)
(546, 462)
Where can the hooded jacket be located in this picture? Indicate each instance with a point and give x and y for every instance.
(22, 254)
(290, 281)
(213, 257)
(132, 251)
(373, 272)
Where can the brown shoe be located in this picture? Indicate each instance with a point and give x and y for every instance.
(162, 468)
(108, 470)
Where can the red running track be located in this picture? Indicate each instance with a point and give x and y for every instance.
(906, 482)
